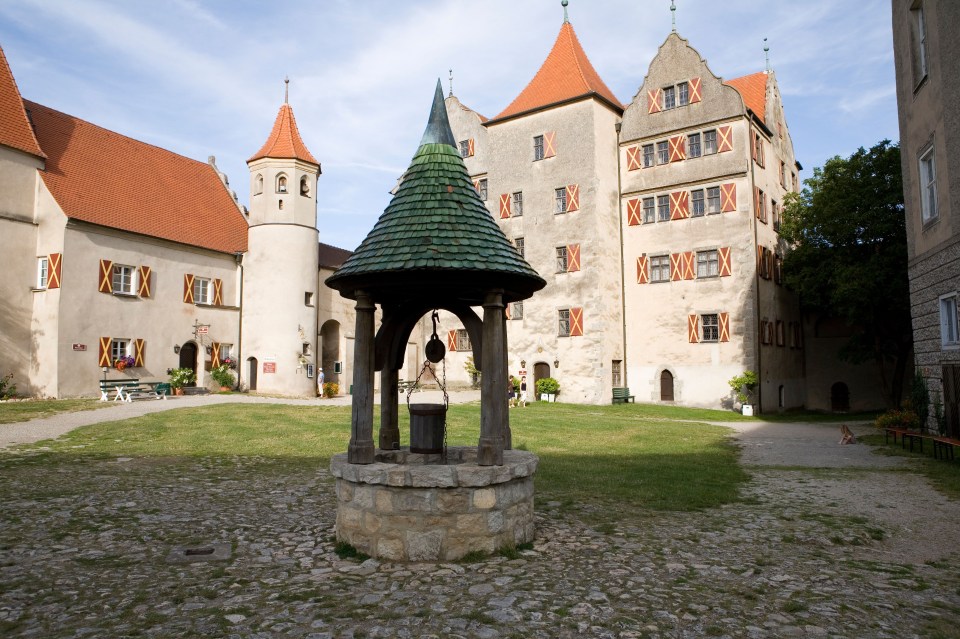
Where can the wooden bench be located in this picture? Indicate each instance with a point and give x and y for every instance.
(943, 447)
(895, 432)
(913, 436)
(117, 386)
(622, 395)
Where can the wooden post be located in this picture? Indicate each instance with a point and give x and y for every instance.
(493, 383)
(507, 433)
(389, 390)
(360, 450)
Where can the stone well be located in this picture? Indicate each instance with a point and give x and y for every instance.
(412, 507)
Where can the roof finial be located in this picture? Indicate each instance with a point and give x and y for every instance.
(766, 53)
(564, 3)
(673, 15)
(451, 83)
(286, 89)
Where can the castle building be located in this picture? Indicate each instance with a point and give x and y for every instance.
(927, 65)
(115, 248)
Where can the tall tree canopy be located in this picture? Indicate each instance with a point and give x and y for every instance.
(849, 257)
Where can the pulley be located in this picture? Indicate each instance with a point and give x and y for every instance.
(435, 350)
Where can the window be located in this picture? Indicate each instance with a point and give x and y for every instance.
(119, 347)
(663, 153)
(516, 311)
(660, 268)
(517, 204)
(43, 272)
(304, 186)
(693, 145)
(464, 148)
(282, 184)
(649, 215)
(708, 264)
(696, 197)
(308, 298)
(647, 156)
(258, 185)
(537, 147)
(711, 327)
(669, 98)
(775, 212)
(518, 242)
(683, 94)
(949, 334)
(663, 208)
(226, 352)
(796, 185)
(124, 280)
(713, 200)
(482, 189)
(463, 340)
(928, 186)
(305, 348)
(778, 269)
(616, 376)
(560, 198)
(783, 175)
(758, 148)
(710, 142)
(561, 259)
(201, 290)
(563, 322)
(762, 206)
(918, 41)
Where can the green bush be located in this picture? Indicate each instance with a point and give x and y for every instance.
(920, 398)
(897, 418)
(548, 386)
(743, 386)
(330, 389)
(180, 377)
(222, 376)
(7, 390)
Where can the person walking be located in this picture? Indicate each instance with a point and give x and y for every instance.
(320, 379)
(523, 391)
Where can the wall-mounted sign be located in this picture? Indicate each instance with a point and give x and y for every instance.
(79, 347)
(202, 330)
(269, 367)
(522, 372)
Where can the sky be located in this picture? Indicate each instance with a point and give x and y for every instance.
(205, 78)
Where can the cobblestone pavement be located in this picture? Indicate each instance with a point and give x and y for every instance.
(87, 549)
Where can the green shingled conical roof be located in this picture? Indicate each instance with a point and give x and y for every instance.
(436, 236)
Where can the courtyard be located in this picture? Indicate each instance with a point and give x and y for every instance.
(216, 520)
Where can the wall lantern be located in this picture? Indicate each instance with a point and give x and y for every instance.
(556, 363)
(209, 350)
(523, 363)
(176, 349)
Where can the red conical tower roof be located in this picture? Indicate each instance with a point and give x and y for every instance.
(566, 74)
(285, 141)
(15, 129)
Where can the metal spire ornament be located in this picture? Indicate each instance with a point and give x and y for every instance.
(766, 53)
(286, 89)
(673, 15)
(451, 83)
(566, 18)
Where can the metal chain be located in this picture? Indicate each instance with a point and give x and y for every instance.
(446, 404)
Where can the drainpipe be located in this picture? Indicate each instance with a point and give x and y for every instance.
(623, 269)
(238, 256)
(756, 244)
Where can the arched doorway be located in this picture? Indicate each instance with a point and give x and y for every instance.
(839, 397)
(540, 370)
(252, 373)
(781, 397)
(330, 350)
(188, 356)
(666, 386)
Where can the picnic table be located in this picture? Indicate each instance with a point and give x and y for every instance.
(129, 389)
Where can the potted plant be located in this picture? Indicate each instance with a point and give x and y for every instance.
(331, 389)
(180, 377)
(222, 376)
(742, 386)
(124, 362)
(547, 389)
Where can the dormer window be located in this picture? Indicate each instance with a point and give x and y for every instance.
(282, 184)
(304, 187)
(258, 184)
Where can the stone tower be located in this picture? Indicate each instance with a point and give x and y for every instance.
(279, 318)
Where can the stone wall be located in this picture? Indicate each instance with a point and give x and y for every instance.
(410, 507)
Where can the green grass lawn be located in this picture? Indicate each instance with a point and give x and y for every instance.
(621, 456)
(943, 474)
(11, 412)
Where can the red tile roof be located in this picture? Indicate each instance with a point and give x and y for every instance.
(284, 141)
(564, 75)
(753, 88)
(105, 178)
(15, 129)
(332, 256)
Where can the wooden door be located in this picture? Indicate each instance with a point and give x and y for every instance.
(666, 386)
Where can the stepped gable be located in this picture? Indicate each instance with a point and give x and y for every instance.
(15, 129)
(102, 177)
(753, 88)
(284, 141)
(436, 232)
(565, 75)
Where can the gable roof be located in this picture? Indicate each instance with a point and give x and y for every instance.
(284, 140)
(753, 88)
(332, 256)
(15, 129)
(566, 74)
(105, 178)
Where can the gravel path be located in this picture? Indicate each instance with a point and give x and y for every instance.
(827, 541)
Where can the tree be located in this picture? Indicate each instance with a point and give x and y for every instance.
(849, 257)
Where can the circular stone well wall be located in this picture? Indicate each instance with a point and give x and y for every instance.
(411, 507)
